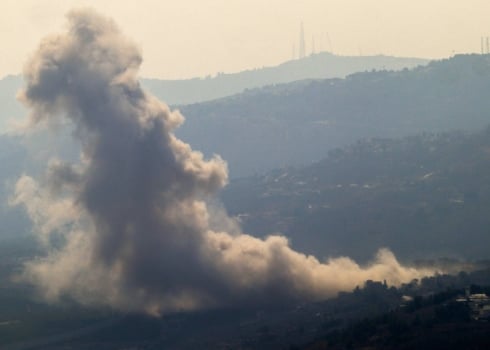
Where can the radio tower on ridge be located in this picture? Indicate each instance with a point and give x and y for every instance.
(302, 48)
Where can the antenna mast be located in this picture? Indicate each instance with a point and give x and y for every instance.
(302, 48)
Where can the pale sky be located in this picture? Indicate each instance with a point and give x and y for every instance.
(188, 38)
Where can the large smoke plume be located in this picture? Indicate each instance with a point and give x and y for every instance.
(137, 231)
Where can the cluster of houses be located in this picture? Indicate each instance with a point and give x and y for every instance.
(478, 303)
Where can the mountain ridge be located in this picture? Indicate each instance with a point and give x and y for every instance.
(296, 123)
(322, 65)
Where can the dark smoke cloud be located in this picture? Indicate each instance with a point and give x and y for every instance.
(138, 230)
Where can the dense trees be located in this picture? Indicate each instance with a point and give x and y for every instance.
(424, 195)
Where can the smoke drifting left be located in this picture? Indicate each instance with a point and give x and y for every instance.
(133, 212)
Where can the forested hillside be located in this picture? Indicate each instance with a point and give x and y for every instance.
(298, 123)
(425, 195)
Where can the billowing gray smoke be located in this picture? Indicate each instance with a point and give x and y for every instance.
(133, 212)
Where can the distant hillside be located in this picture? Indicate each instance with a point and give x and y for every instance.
(425, 195)
(317, 66)
(297, 123)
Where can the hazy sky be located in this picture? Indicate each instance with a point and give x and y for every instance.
(188, 38)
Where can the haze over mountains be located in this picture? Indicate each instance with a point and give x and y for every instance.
(130, 224)
(128, 214)
(267, 209)
(316, 66)
(298, 123)
(380, 179)
(29, 154)
(321, 65)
